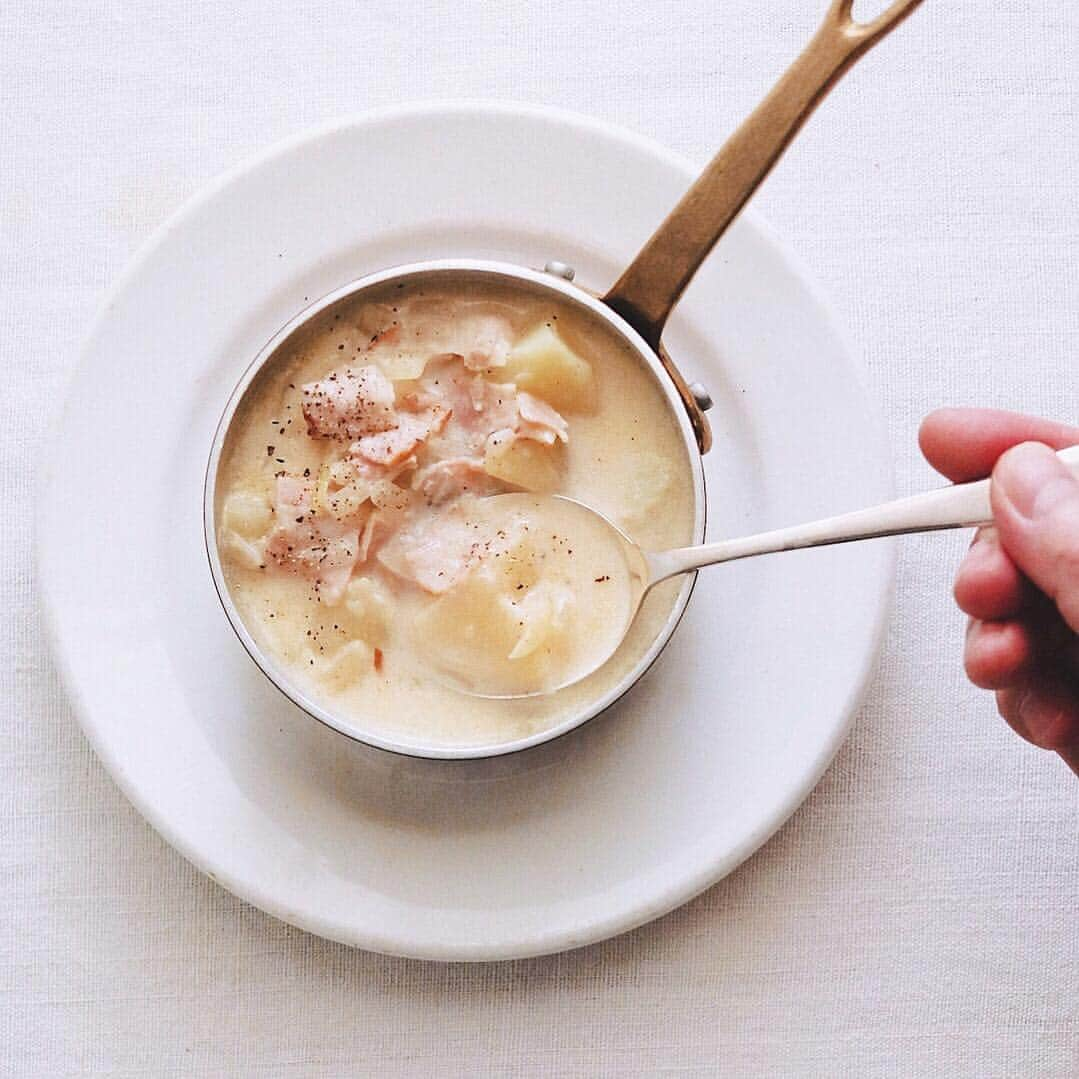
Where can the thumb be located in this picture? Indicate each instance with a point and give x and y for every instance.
(1036, 509)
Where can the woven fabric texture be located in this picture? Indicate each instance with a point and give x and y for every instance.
(918, 915)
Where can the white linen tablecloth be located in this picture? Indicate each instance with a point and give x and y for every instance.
(919, 916)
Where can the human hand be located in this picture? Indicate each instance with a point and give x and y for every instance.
(1019, 582)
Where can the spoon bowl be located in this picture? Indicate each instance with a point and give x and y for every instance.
(548, 598)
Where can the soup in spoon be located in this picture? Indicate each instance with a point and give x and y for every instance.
(547, 596)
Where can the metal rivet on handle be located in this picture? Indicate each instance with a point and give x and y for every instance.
(560, 269)
(701, 396)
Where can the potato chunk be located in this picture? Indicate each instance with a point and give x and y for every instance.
(345, 667)
(543, 613)
(647, 480)
(369, 609)
(240, 551)
(544, 365)
(479, 631)
(399, 363)
(247, 513)
(522, 462)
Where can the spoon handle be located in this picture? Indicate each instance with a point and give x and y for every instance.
(963, 505)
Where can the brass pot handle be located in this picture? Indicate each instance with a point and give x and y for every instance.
(655, 280)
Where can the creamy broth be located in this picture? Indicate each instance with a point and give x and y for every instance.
(360, 455)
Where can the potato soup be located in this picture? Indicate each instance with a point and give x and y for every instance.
(352, 516)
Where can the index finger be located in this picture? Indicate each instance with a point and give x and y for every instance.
(964, 443)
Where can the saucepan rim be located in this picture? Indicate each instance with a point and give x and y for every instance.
(431, 270)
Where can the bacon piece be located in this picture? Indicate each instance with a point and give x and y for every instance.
(538, 421)
(478, 406)
(490, 337)
(418, 401)
(376, 531)
(433, 552)
(494, 404)
(349, 403)
(394, 446)
(453, 477)
(294, 495)
(357, 470)
(319, 548)
(480, 333)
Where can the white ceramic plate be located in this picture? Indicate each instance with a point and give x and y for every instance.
(582, 838)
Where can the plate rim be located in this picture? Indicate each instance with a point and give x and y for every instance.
(529, 944)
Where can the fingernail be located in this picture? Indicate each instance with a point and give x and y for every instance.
(1031, 477)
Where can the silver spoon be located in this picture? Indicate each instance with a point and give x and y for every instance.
(962, 505)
